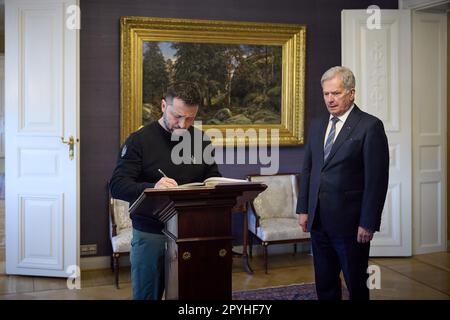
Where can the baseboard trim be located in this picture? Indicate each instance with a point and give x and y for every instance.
(101, 262)
(104, 262)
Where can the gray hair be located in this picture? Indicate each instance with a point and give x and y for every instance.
(346, 75)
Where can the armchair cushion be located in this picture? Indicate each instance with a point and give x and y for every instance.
(271, 216)
(122, 241)
(279, 200)
(274, 217)
(121, 215)
(120, 232)
(277, 229)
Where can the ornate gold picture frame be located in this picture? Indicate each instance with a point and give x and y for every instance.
(287, 98)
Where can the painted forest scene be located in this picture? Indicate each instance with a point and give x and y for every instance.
(239, 84)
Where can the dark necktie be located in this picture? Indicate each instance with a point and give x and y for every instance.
(330, 139)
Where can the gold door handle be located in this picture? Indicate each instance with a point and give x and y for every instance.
(71, 142)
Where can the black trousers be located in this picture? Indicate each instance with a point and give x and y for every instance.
(335, 253)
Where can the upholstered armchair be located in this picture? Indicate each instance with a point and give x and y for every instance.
(120, 233)
(271, 215)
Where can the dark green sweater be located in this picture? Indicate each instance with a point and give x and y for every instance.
(143, 153)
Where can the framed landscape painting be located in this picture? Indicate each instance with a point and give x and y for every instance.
(250, 76)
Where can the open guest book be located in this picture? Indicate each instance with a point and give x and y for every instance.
(211, 182)
(162, 205)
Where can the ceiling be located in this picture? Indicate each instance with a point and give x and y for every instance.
(421, 5)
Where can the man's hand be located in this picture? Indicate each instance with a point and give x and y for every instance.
(165, 183)
(364, 235)
(303, 221)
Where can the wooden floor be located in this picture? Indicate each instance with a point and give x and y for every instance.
(420, 277)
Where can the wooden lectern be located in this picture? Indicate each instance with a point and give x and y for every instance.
(198, 228)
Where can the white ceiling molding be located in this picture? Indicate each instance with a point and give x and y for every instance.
(425, 5)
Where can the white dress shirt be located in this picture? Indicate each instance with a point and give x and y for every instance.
(339, 124)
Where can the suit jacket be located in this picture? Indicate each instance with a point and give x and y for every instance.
(349, 189)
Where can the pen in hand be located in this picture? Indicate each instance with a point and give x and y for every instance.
(165, 181)
(162, 172)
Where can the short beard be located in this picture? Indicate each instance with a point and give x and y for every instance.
(173, 131)
(166, 123)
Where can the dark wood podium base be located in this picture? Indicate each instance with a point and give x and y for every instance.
(199, 267)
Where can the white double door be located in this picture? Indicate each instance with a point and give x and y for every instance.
(399, 61)
(41, 107)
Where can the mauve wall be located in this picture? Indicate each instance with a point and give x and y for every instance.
(100, 80)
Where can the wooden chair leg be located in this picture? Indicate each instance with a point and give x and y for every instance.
(265, 244)
(250, 244)
(112, 262)
(116, 268)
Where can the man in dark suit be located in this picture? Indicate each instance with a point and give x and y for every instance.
(343, 188)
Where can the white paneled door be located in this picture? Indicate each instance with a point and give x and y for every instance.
(41, 110)
(2, 108)
(376, 45)
(429, 132)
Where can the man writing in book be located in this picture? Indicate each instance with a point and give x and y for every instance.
(145, 161)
